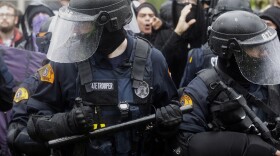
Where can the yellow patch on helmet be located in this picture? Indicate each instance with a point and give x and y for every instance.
(21, 94)
(186, 100)
(46, 73)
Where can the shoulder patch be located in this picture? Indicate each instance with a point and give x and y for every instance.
(21, 94)
(46, 73)
(186, 100)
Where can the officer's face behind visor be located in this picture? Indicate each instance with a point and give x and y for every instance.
(259, 60)
(75, 38)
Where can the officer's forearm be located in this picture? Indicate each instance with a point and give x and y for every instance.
(22, 143)
(44, 128)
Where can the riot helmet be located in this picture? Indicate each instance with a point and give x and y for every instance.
(246, 37)
(79, 27)
(229, 5)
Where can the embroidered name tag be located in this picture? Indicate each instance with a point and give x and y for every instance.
(100, 86)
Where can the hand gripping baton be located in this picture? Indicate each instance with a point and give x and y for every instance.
(108, 130)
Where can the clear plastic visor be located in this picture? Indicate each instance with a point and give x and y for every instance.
(75, 37)
(260, 64)
(133, 24)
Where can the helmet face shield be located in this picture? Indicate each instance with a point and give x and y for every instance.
(75, 38)
(259, 61)
(133, 24)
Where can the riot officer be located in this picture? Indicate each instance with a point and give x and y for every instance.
(247, 60)
(203, 57)
(113, 76)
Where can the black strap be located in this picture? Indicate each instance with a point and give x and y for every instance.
(85, 72)
(139, 62)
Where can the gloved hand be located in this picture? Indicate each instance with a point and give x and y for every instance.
(169, 116)
(80, 120)
(47, 127)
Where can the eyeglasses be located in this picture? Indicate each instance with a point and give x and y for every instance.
(187, 1)
(6, 15)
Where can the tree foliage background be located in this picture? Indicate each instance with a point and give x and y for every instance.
(157, 3)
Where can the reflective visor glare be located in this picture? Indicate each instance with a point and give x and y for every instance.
(74, 41)
(260, 64)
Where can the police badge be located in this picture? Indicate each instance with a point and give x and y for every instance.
(143, 90)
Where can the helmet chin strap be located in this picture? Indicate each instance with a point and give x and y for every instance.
(110, 41)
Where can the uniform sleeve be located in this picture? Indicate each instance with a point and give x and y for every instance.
(6, 87)
(17, 134)
(164, 88)
(49, 97)
(25, 90)
(195, 94)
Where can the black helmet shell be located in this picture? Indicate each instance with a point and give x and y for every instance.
(237, 25)
(113, 13)
(229, 5)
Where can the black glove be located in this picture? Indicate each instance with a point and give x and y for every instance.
(169, 116)
(77, 121)
(80, 120)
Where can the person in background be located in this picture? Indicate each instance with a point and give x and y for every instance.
(9, 33)
(271, 18)
(148, 21)
(35, 14)
(165, 12)
(188, 32)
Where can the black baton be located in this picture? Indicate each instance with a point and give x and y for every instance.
(108, 130)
